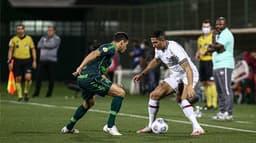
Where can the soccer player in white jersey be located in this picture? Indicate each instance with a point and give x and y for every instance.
(182, 79)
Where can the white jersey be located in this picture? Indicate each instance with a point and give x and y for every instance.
(172, 56)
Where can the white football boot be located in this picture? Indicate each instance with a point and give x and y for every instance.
(197, 132)
(112, 131)
(219, 116)
(65, 130)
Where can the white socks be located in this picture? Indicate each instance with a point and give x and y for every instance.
(189, 113)
(153, 106)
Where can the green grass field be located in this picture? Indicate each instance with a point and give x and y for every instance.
(40, 121)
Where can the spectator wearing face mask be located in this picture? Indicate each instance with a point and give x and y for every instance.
(206, 65)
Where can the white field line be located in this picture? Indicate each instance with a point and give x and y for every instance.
(127, 115)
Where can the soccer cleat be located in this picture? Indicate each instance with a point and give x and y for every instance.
(145, 130)
(197, 132)
(228, 117)
(112, 131)
(65, 130)
(220, 116)
(20, 99)
(26, 98)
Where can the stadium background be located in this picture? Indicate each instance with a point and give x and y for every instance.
(79, 22)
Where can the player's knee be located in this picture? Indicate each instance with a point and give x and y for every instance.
(121, 92)
(85, 105)
(154, 95)
(18, 79)
(116, 90)
(178, 98)
(28, 77)
(88, 104)
(91, 103)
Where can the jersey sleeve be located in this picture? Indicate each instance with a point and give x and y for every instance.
(31, 43)
(106, 50)
(11, 43)
(178, 51)
(198, 43)
(157, 56)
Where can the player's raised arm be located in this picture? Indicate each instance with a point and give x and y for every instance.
(93, 55)
(152, 64)
(185, 65)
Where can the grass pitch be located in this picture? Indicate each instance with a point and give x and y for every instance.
(41, 119)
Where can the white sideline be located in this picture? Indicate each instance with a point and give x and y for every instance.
(127, 115)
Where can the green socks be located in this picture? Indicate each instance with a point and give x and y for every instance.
(80, 111)
(115, 107)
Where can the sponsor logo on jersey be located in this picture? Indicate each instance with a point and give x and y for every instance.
(26, 46)
(105, 49)
(173, 60)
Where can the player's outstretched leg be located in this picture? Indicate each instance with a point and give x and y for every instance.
(188, 110)
(118, 95)
(153, 105)
(80, 111)
(189, 113)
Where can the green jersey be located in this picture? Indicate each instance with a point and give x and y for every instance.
(100, 65)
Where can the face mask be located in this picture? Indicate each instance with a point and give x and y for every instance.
(206, 30)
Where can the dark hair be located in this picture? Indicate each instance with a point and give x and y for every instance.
(119, 36)
(52, 26)
(22, 25)
(222, 18)
(207, 21)
(158, 34)
(146, 42)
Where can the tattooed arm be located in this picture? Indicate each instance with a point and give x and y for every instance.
(188, 90)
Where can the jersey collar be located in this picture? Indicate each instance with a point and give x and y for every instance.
(167, 43)
(22, 37)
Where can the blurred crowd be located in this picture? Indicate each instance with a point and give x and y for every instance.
(245, 88)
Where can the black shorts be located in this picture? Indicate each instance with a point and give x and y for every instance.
(21, 67)
(206, 71)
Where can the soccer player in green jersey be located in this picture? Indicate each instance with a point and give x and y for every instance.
(91, 79)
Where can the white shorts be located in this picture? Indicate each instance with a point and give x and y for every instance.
(174, 80)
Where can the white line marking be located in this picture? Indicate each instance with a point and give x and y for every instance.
(243, 122)
(128, 115)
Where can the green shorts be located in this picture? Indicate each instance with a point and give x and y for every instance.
(94, 86)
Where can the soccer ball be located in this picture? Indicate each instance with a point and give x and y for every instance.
(159, 126)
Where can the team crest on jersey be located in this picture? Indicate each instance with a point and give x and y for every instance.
(26, 46)
(105, 49)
